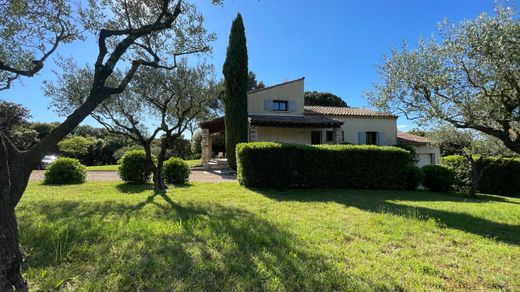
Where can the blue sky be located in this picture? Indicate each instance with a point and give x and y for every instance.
(335, 45)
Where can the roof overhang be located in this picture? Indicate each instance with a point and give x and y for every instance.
(304, 121)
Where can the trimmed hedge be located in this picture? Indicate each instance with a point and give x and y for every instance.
(65, 170)
(438, 178)
(502, 176)
(276, 165)
(414, 177)
(176, 171)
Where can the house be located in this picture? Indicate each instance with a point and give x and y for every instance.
(277, 113)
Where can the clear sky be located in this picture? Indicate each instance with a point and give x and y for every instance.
(335, 45)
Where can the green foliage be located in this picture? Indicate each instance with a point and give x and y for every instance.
(500, 176)
(275, 165)
(65, 171)
(410, 150)
(323, 99)
(223, 237)
(235, 82)
(461, 167)
(134, 168)
(75, 146)
(438, 178)
(462, 77)
(176, 171)
(414, 177)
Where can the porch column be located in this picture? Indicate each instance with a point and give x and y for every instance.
(336, 136)
(252, 133)
(206, 148)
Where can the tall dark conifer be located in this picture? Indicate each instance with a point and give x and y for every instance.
(235, 82)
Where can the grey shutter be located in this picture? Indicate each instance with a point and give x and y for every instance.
(381, 140)
(362, 138)
(268, 105)
(292, 105)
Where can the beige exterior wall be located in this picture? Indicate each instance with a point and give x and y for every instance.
(291, 91)
(352, 126)
(427, 154)
(285, 135)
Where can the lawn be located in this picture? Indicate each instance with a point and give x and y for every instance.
(111, 236)
(191, 163)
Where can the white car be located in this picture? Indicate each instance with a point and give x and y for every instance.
(48, 159)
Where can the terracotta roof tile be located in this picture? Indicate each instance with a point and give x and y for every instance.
(406, 138)
(347, 111)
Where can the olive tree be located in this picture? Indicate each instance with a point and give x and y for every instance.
(130, 34)
(156, 105)
(470, 78)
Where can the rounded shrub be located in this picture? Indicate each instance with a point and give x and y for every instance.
(438, 178)
(414, 177)
(176, 171)
(65, 171)
(133, 167)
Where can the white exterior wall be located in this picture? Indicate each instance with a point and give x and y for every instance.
(426, 154)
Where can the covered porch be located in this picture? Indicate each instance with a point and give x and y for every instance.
(302, 129)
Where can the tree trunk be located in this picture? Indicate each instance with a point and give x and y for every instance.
(476, 174)
(11, 256)
(158, 178)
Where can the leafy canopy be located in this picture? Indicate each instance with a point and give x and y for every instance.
(323, 99)
(469, 78)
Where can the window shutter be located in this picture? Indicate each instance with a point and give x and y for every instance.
(362, 138)
(268, 105)
(381, 140)
(292, 105)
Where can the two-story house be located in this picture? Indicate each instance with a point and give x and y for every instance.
(277, 113)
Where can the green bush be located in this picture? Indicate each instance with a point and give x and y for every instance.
(501, 176)
(462, 170)
(176, 171)
(133, 167)
(438, 178)
(410, 150)
(65, 171)
(414, 177)
(276, 165)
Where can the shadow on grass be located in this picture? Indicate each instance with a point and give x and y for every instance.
(379, 201)
(202, 247)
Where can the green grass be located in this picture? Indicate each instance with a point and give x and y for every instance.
(110, 236)
(191, 163)
(103, 167)
(194, 162)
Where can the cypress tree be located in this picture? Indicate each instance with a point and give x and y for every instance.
(235, 82)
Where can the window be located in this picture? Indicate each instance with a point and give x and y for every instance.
(342, 136)
(280, 105)
(329, 136)
(371, 138)
(432, 158)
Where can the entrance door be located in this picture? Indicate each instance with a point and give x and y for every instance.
(315, 137)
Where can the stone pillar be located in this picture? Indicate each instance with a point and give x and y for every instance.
(252, 134)
(206, 148)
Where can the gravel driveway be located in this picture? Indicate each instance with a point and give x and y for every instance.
(196, 175)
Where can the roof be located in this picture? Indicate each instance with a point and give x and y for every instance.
(406, 138)
(214, 126)
(294, 121)
(276, 85)
(347, 111)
